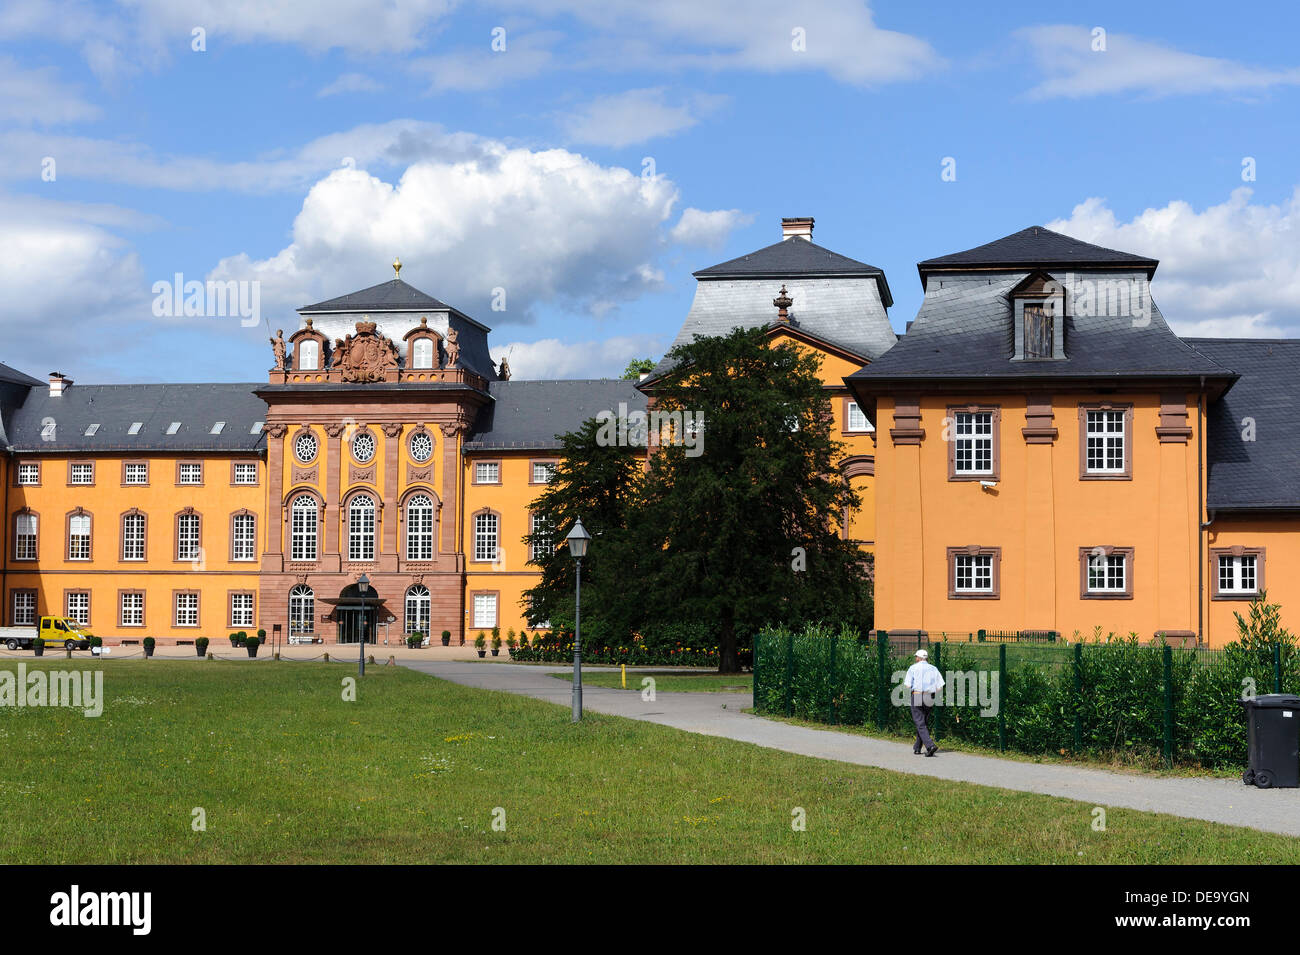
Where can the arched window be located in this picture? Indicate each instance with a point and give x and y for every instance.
(79, 537)
(302, 610)
(417, 609)
(302, 528)
(486, 536)
(133, 537)
(422, 353)
(309, 354)
(361, 528)
(25, 536)
(419, 528)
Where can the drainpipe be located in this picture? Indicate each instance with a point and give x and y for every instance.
(1201, 635)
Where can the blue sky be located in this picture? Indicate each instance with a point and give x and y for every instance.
(608, 151)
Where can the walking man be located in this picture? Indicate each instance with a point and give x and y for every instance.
(923, 681)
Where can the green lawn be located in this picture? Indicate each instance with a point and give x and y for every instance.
(707, 681)
(412, 772)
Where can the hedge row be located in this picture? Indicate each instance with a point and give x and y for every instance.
(1108, 701)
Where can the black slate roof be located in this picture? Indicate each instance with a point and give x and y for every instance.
(965, 328)
(1259, 473)
(114, 408)
(527, 415)
(13, 376)
(1036, 247)
(791, 257)
(393, 295)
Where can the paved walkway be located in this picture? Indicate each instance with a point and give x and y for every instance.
(719, 714)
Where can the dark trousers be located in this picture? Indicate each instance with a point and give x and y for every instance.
(922, 707)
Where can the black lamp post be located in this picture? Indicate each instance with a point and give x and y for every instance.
(578, 539)
(363, 588)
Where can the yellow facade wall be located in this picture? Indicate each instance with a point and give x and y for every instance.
(1040, 514)
(215, 576)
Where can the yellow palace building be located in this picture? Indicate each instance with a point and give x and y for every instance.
(1039, 451)
(384, 441)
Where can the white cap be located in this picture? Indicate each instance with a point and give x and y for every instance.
(922, 654)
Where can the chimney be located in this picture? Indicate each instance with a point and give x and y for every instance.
(643, 376)
(797, 228)
(58, 384)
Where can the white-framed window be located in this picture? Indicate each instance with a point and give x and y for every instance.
(421, 446)
(133, 537)
(243, 533)
(24, 611)
(973, 573)
(81, 474)
(245, 473)
(855, 419)
(485, 610)
(543, 471)
(973, 442)
(131, 609)
(539, 549)
(241, 610)
(187, 537)
(487, 533)
(78, 607)
(25, 537)
(187, 609)
(1107, 573)
(79, 537)
(29, 474)
(363, 446)
(422, 353)
(304, 516)
(487, 472)
(1105, 437)
(419, 528)
(302, 610)
(418, 604)
(309, 354)
(304, 447)
(361, 528)
(135, 473)
(190, 474)
(1238, 575)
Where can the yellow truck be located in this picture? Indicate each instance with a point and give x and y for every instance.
(56, 631)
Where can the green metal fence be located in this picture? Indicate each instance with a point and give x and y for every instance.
(1030, 694)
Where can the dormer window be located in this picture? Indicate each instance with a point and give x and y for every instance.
(309, 355)
(422, 353)
(1039, 310)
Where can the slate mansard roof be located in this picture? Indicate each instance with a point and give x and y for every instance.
(527, 415)
(796, 257)
(1253, 432)
(391, 296)
(99, 418)
(965, 329)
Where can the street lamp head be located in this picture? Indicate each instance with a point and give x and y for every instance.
(578, 539)
(363, 584)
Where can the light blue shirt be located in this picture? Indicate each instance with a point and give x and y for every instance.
(923, 677)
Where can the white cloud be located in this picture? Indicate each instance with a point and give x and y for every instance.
(636, 116)
(708, 229)
(1229, 270)
(351, 83)
(37, 96)
(546, 226)
(64, 271)
(391, 144)
(1130, 65)
(552, 358)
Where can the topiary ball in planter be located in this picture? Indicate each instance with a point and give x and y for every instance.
(148, 646)
(446, 638)
(252, 643)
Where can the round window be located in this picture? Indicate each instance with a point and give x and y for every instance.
(363, 446)
(304, 446)
(421, 447)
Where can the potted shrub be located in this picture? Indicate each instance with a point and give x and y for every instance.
(201, 646)
(480, 644)
(38, 647)
(148, 646)
(511, 642)
(234, 639)
(252, 643)
(261, 636)
(414, 639)
(446, 638)
(496, 641)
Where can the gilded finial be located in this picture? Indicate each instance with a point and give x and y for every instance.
(397, 268)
